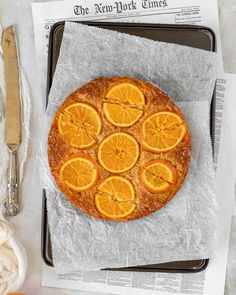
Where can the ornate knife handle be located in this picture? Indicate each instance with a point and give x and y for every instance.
(12, 205)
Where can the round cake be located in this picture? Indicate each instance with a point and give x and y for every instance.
(119, 148)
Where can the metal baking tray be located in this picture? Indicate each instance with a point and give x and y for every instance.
(194, 36)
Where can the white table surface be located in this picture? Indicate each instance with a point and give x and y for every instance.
(28, 223)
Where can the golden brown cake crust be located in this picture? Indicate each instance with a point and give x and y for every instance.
(156, 101)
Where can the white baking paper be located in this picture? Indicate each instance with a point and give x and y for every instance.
(185, 228)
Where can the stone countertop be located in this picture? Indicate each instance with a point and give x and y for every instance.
(19, 14)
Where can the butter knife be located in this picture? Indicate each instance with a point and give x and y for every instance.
(13, 115)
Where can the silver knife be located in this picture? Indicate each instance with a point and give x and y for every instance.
(13, 115)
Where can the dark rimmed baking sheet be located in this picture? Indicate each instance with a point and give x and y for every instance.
(194, 36)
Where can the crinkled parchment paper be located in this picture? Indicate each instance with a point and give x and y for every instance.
(185, 228)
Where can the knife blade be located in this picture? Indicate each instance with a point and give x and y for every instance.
(13, 115)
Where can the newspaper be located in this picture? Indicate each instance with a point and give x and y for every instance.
(194, 12)
(148, 11)
(230, 113)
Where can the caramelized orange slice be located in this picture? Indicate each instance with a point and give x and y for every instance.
(115, 197)
(79, 172)
(124, 104)
(158, 175)
(118, 152)
(80, 123)
(163, 131)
